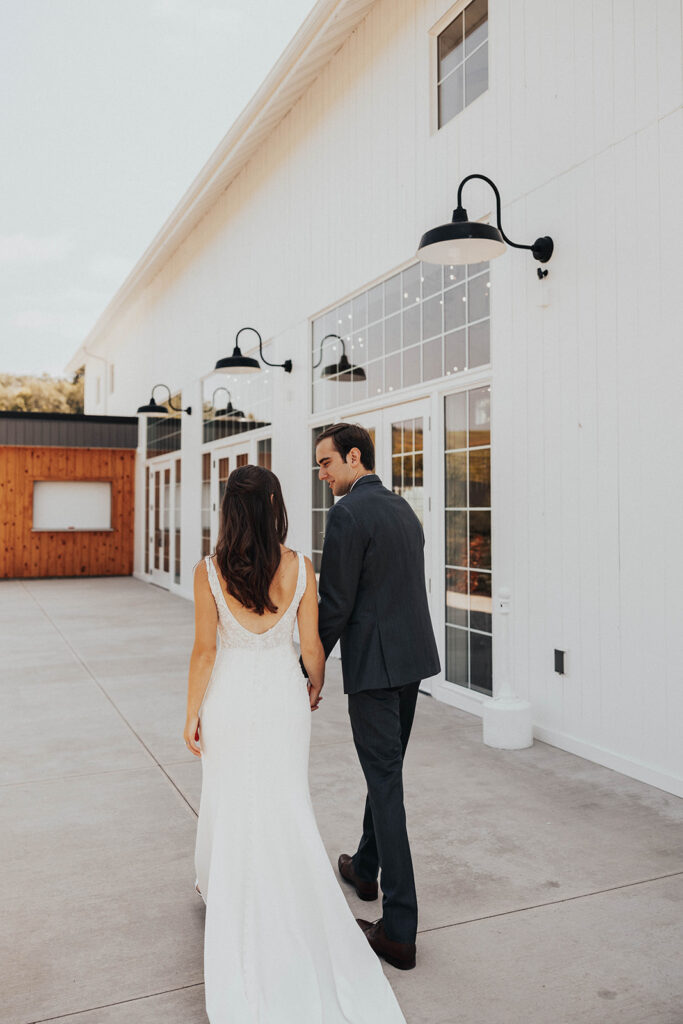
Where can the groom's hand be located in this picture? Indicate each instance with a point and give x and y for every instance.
(314, 696)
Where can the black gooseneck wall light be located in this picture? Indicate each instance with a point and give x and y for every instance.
(229, 412)
(466, 241)
(152, 409)
(237, 363)
(343, 370)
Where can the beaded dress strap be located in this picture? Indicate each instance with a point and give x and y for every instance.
(213, 579)
(301, 581)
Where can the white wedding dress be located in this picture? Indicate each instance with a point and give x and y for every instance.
(281, 945)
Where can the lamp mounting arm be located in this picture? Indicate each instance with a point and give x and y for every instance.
(542, 249)
(221, 388)
(322, 340)
(286, 366)
(175, 408)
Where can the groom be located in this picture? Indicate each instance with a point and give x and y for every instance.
(373, 597)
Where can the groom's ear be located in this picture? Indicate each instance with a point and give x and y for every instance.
(353, 457)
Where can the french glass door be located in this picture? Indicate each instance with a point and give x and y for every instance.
(404, 464)
(402, 437)
(161, 522)
(402, 456)
(223, 461)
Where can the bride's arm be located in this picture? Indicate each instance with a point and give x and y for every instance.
(312, 653)
(203, 654)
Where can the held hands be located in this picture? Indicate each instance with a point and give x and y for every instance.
(191, 735)
(314, 695)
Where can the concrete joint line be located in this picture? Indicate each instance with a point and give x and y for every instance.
(550, 903)
(76, 775)
(120, 1002)
(102, 690)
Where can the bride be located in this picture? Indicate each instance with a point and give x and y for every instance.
(281, 945)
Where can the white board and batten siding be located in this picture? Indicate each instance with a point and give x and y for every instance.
(581, 130)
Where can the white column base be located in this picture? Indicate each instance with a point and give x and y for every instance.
(507, 723)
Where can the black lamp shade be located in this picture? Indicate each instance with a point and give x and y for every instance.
(152, 409)
(343, 371)
(237, 363)
(230, 413)
(461, 241)
(353, 373)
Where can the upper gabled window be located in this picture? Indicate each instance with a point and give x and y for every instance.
(463, 60)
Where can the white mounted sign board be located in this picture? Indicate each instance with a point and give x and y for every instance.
(71, 505)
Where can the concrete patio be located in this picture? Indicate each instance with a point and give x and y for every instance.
(551, 889)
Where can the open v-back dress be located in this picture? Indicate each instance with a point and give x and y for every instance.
(281, 945)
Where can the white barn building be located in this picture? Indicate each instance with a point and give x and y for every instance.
(528, 420)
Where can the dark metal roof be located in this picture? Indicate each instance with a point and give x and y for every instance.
(63, 430)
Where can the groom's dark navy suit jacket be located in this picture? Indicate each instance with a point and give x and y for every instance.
(372, 590)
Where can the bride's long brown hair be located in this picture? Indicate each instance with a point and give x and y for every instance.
(253, 526)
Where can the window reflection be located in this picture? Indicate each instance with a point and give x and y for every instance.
(457, 597)
(481, 668)
(432, 317)
(176, 516)
(467, 465)
(432, 359)
(167, 520)
(437, 317)
(479, 344)
(407, 467)
(147, 517)
(264, 455)
(411, 326)
(157, 518)
(411, 366)
(206, 504)
(322, 502)
(480, 478)
(163, 432)
(462, 55)
(251, 395)
(411, 292)
(456, 479)
(392, 295)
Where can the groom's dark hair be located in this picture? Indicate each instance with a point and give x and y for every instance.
(346, 436)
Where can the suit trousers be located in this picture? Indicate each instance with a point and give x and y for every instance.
(381, 721)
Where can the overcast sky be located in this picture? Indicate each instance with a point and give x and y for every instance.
(109, 110)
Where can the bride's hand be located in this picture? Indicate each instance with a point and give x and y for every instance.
(191, 735)
(314, 695)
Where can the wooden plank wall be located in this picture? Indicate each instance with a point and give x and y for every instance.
(25, 554)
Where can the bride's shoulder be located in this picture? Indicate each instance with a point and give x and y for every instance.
(308, 566)
(201, 579)
(201, 571)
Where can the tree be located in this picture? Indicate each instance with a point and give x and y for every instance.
(28, 393)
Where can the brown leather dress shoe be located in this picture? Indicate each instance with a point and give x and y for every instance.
(364, 890)
(398, 954)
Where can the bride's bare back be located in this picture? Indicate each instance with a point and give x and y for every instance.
(281, 593)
